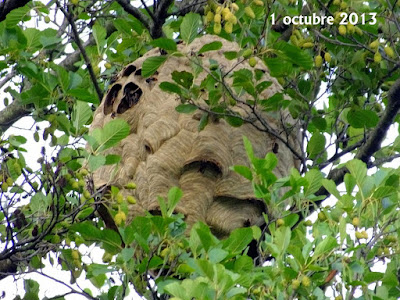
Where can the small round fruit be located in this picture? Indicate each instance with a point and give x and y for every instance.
(75, 2)
(336, 2)
(318, 61)
(247, 53)
(359, 235)
(75, 254)
(342, 30)
(210, 17)
(252, 61)
(217, 18)
(295, 284)
(235, 7)
(389, 51)
(308, 45)
(343, 5)
(374, 45)
(321, 216)
(339, 298)
(308, 223)
(356, 221)
(118, 219)
(9, 181)
(131, 199)
(55, 239)
(258, 2)
(130, 186)
(119, 198)
(364, 234)
(165, 252)
(232, 19)
(107, 257)
(228, 27)
(280, 222)
(217, 28)
(377, 57)
(249, 12)
(86, 194)
(47, 19)
(4, 187)
(84, 172)
(327, 57)
(358, 30)
(306, 281)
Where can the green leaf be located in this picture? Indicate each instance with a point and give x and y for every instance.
(83, 95)
(112, 133)
(316, 144)
(15, 16)
(330, 186)
(170, 87)
(362, 118)
(282, 239)
(297, 56)
(210, 47)
(183, 78)
(96, 161)
(151, 64)
(112, 159)
(373, 276)
(164, 43)
(244, 171)
(358, 169)
(81, 115)
(186, 108)
(234, 121)
(40, 202)
(216, 255)
(314, 178)
(229, 55)
(190, 27)
(319, 123)
(87, 230)
(47, 41)
(99, 34)
(238, 240)
(174, 195)
(326, 246)
(203, 121)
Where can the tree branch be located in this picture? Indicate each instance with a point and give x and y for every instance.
(125, 4)
(78, 42)
(160, 15)
(6, 6)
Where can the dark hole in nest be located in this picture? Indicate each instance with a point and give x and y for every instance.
(132, 94)
(208, 168)
(148, 149)
(110, 99)
(129, 70)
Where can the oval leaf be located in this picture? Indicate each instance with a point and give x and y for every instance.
(151, 64)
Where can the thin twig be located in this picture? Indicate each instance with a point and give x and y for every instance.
(83, 51)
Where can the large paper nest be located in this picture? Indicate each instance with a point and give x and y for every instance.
(165, 148)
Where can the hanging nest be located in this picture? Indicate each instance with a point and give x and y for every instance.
(166, 149)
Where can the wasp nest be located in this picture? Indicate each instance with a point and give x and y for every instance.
(165, 148)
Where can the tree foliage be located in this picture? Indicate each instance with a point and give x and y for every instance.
(340, 83)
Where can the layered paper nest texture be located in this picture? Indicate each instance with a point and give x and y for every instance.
(166, 149)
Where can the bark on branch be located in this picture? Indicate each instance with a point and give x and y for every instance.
(6, 6)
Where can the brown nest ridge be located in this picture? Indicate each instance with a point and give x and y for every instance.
(166, 149)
